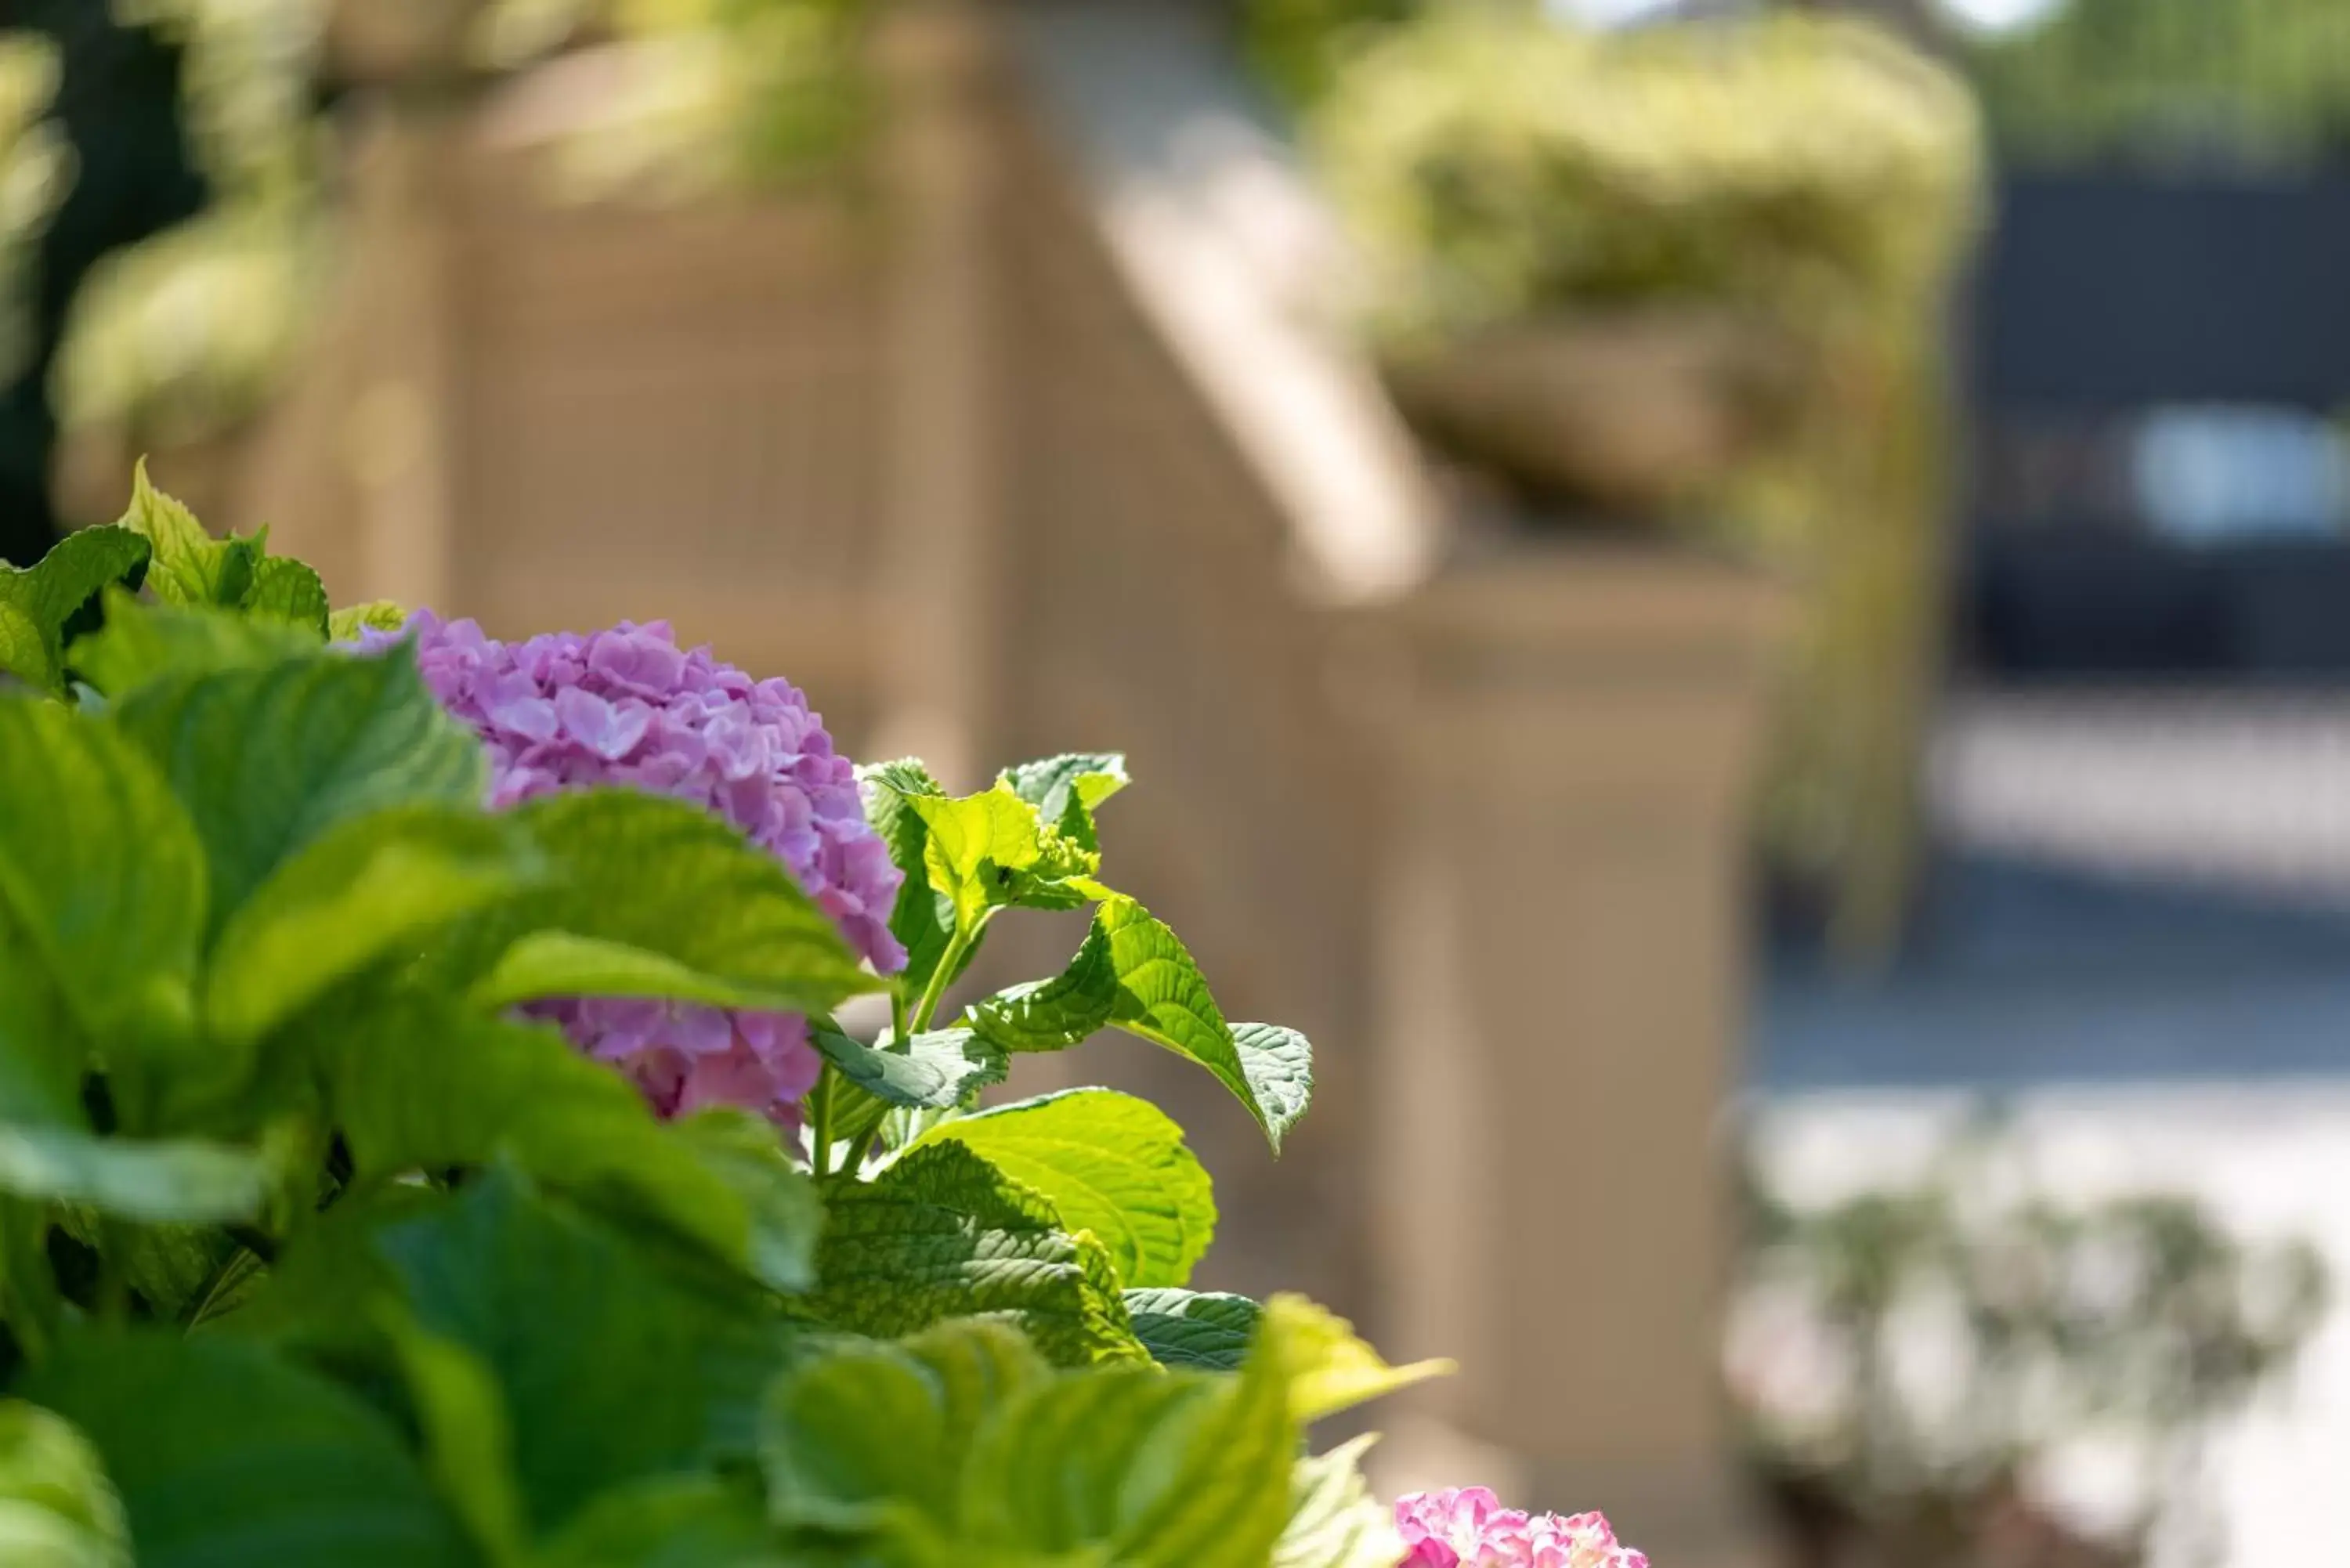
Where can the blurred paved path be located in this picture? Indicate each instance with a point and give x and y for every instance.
(2141, 940)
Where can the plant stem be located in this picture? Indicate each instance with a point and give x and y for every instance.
(958, 948)
(821, 1122)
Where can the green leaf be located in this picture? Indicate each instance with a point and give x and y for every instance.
(190, 567)
(782, 1208)
(1062, 1471)
(1229, 1500)
(415, 1084)
(1278, 1063)
(168, 1262)
(226, 1454)
(42, 1053)
(24, 651)
(285, 590)
(36, 603)
(1155, 1469)
(367, 885)
(266, 759)
(1110, 1164)
(58, 1510)
(101, 871)
(981, 852)
(1067, 790)
(941, 1233)
(136, 1179)
(140, 643)
(976, 843)
(585, 1340)
(1331, 1369)
(933, 1071)
(651, 896)
(850, 1438)
(468, 1440)
(1206, 1330)
(1135, 974)
(1334, 1521)
(375, 615)
(1164, 998)
(923, 918)
(887, 788)
(682, 1522)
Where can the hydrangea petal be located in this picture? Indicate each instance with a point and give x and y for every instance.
(629, 707)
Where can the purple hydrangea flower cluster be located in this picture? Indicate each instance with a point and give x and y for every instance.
(629, 707)
(1468, 1528)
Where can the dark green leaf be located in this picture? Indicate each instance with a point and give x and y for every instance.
(227, 1455)
(934, 1071)
(42, 1055)
(190, 567)
(1110, 1164)
(941, 1233)
(584, 1339)
(1189, 1328)
(36, 603)
(267, 759)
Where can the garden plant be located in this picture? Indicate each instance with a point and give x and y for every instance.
(427, 1138)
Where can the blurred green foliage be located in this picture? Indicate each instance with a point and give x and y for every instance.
(2258, 82)
(1495, 164)
(1297, 48)
(35, 165)
(183, 338)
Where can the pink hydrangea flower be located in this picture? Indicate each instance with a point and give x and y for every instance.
(628, 706)
(1468, 1528)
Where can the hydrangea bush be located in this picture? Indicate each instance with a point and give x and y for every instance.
(427, 1138)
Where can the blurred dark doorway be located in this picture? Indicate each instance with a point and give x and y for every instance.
(2163, 481)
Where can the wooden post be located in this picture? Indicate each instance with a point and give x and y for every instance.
(1561, 991)
(402, 429)
(941, 667)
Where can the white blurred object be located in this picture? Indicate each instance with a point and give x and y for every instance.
(1999, 15)
(2213, 476)
(1608, 13)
